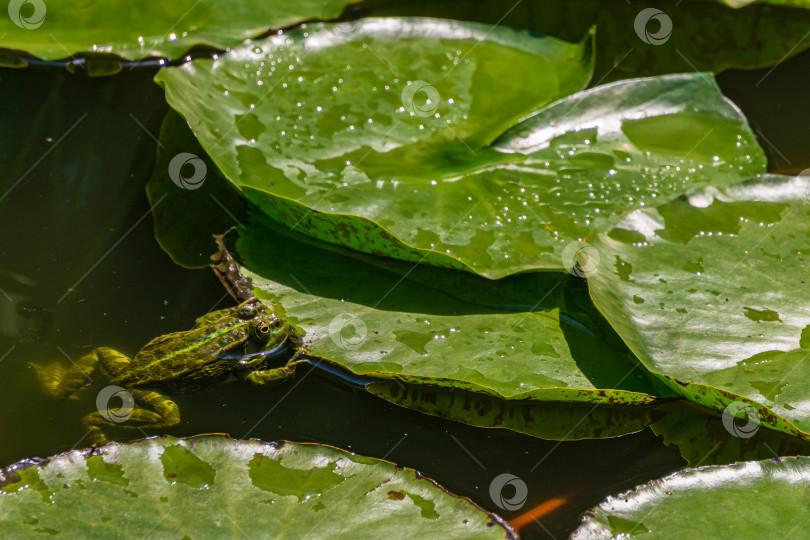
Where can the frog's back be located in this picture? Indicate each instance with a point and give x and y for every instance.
(191, 356)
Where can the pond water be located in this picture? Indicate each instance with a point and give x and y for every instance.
(80, 268)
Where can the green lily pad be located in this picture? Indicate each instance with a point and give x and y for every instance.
(381, 324)
(703, 36)
(60, 29)
(215, 486)
(434, 99)
(328, 158)
(577, 415)
(710, 502)
(711, 292)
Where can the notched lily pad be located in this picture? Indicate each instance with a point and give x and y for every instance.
(215, 486)
(710, 502)
(328, 157)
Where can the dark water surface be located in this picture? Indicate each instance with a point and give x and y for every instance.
(79, 268)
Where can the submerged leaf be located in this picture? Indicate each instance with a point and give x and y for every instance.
(554, 414)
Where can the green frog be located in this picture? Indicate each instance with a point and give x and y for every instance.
(234, 343)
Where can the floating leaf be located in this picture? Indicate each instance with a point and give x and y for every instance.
(327, 158)
(711, 292)
(60, 28)
(374, 322)
(710, 502)
(215, 486)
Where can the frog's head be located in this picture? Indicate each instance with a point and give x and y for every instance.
(268, 329)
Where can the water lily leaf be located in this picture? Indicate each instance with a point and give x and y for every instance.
(643, 37)
(327, 158)
(375, 322)
(60, 29)
(337, 140)
(215, 486)
(576, 415)
(710, 502)
(711, 292)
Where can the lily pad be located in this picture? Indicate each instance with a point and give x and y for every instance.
(378, 323)
(215, 486)
(60, 28)
(710, 502)
(711, 292)
(643, 37)
(328, 158)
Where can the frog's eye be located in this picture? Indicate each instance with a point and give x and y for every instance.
(260, 331)
(247, 312)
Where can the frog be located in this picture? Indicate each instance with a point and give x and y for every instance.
(235, 343)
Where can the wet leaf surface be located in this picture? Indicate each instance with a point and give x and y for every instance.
(711, 292)
(60, 29)
(215, 486)
(328, 158)
(711, 502)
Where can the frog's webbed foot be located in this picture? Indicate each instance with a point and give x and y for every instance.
(152, 410)
(60, 383)
(267, 376)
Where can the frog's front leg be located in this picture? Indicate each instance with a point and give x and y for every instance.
(271, 375)
(59, 383)
(152, 410)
